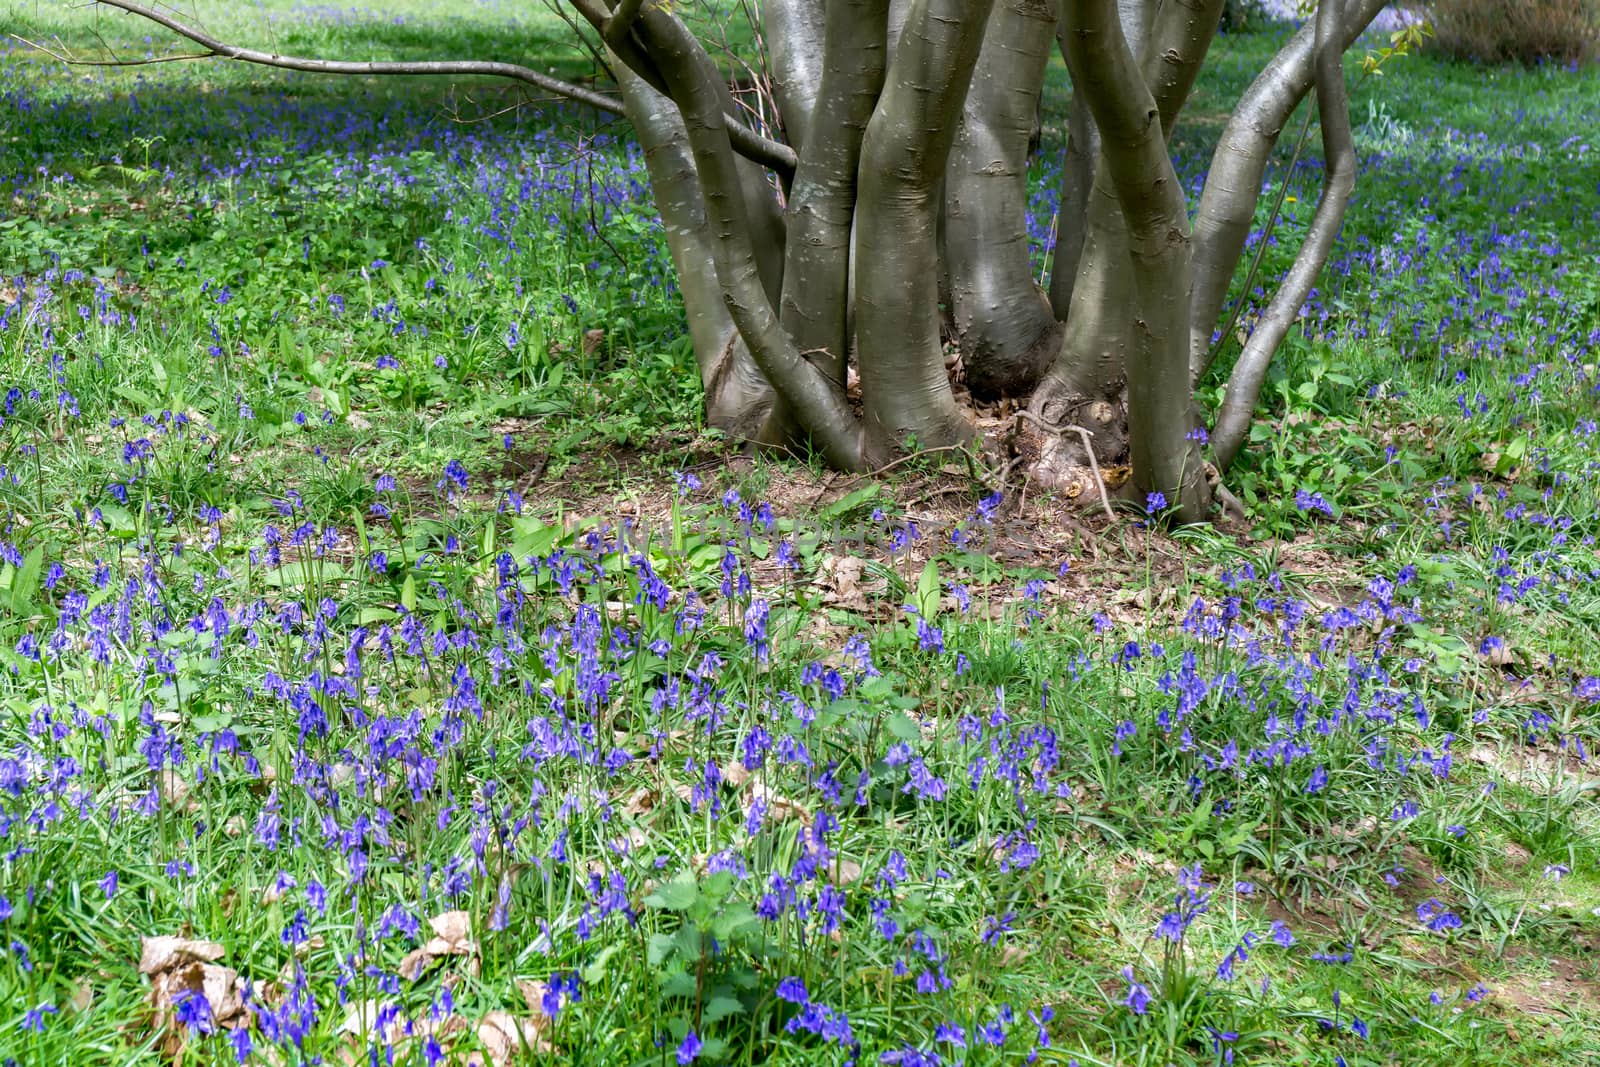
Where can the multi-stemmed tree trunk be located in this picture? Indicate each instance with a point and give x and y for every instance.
(876, 228)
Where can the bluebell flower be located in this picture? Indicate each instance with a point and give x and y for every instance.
(33, 1018)
(1138, 996)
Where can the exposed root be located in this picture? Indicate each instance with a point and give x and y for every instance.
(1088, 448)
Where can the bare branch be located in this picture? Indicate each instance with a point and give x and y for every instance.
(67, 57)
(491, 68)
(745, 141)
(1233, 185)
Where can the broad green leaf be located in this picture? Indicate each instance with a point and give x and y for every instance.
(677, 895)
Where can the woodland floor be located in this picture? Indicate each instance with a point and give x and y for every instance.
(396, 670)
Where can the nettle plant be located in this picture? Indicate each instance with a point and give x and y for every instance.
(853, 254)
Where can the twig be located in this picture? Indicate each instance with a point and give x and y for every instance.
(1088, 447)
(934, 494)
(1261, 245)
(594, 224)
(223, 50)
(76, 62)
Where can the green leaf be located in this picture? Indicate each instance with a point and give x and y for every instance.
(677, 984)
(291, 574)
(849, 502)
(25, 583)
(659, 949)
(928, 591)
(900, 725)
(596, 971)
(408, 593)
(720, 1008)
(676, 895)
(530, 537)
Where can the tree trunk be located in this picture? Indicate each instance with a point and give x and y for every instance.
(1135, 160)
(905, 388)
(699, 91)
(737, 397)
(1072, 205)
(822, 201)
(1233, 186)
(1003, 323)
(1339, 178)
(794, 34)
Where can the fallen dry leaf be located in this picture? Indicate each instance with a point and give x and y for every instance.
(840, 577)
(780, 807)
(503, 1036)
(455, 929)
(452, 936)
(843, 872)
(736, 774)
(157, 954)
(533, 992)
(220, 987)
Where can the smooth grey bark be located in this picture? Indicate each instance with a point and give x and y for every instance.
(1233, 185)
(1001, 318)
(1175, 53)
(1135, 158)
(905, 390)
(815, 309)
(1338, 149)
(794, 30)
(916, 176)
(1093, 356)
(1099, 326)
(697, 88)
(737, 397)
(898, 10)
(816, 293)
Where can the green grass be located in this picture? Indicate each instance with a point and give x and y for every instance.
(302, 637)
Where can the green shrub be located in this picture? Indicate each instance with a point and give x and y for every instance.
(1523, 31)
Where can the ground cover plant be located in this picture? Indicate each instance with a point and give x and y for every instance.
(396, 670)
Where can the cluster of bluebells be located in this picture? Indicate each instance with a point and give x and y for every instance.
(462, 749)
(528, 730)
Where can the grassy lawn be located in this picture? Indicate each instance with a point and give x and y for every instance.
(395, 670)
